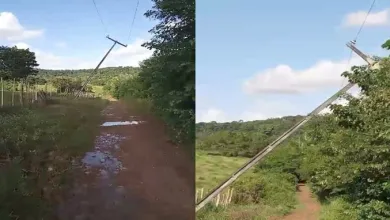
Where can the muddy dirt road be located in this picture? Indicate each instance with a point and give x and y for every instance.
(133, 172)
(309, 208)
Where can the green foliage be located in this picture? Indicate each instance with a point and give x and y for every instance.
(129, 86)
(211, 170)
(169, 75)
(339, 209)
(65, 84)
(343, 156)
(241, 138)
(17, 63)
(103, 76)
(257, 195)
(37, 147)
(274, 189)
(167, 79)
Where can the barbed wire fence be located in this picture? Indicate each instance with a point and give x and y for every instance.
(21, 93)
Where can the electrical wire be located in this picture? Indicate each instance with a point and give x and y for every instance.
(365, 19)
(100, 17)
(358, 33)
(132, 23)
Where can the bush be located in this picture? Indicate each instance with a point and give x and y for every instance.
(38, 147)
(274, 189)
(339, 209)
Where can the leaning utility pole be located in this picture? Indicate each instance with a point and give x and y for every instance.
(100, 63)
(372, 65)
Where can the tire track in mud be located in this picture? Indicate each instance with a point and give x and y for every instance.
(133, 172)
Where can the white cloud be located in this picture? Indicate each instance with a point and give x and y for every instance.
(285, 80)
(12, 30)
(379, 18)
(212, 114)
(120, 56)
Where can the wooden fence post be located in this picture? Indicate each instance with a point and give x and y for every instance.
(21, 92)
(2, 92)
(231, 195)
(13, 92)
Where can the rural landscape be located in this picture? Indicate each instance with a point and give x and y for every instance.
(341, 157)
(63, 157)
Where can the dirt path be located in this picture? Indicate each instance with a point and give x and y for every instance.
(134, 172)
(308, 209)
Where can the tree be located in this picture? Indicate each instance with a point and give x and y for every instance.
(17, 63)
(167, 78)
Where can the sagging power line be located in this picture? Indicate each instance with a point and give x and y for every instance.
(132, 23)
(359, 31)
(112, 47)
(100, 17)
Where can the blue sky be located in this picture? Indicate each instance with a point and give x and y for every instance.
(249, 52)
(69, 34)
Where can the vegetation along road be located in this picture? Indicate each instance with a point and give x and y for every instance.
(123, 150)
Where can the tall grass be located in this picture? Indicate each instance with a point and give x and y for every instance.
(258, 194)
(38, 148)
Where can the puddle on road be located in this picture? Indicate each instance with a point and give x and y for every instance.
(117, 123)
(102, 156)
(102, 160)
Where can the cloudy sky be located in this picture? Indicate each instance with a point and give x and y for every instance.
(261, 59)
(69, 34)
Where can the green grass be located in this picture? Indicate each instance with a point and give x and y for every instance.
(258, 194)
(98, 90)
(338, 209)
(239, 212)
(212, 170)
(37, 147)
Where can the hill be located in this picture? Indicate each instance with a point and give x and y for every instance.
(104, 74)
(243, 139)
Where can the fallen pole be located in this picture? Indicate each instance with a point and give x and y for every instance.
(100, 63)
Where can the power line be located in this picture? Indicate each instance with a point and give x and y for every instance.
(100, 17)
(132, 23)
(358, 33)
(365, 19)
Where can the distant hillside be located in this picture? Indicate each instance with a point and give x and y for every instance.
(241, 138)
(100, 79)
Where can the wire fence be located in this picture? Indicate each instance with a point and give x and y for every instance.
(222, 199)
(22, 93)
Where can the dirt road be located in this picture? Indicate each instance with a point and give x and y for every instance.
(133, 172)
(309, 208)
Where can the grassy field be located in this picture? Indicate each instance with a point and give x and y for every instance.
(262, 194)
(38, 146)
(212, 170)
